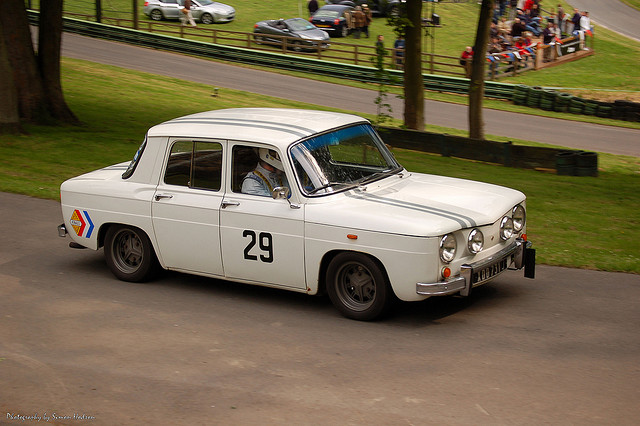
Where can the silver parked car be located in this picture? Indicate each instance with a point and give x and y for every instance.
(205, 11)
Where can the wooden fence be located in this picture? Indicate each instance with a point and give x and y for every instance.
(338, 52)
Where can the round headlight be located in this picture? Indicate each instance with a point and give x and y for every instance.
(475, 242)
(506, 228)
(448, 248)
(519, 217)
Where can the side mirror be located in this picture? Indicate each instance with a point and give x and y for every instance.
(280, 193)
(283, 193)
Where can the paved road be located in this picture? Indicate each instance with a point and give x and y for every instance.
(547, 130)
(560, 349)
(612, 14)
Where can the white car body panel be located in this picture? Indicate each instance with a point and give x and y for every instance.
(398, 220)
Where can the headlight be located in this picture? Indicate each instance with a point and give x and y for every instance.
(519, 217)
(475, 242)
(506, 228)
(448, 248)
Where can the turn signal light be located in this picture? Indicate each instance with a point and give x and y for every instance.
(446, 272)
(352, 236)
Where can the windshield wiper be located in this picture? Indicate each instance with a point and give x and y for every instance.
(327, 185)
(375, 176)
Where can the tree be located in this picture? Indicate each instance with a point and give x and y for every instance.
(408, 24)
(9, 118)
(36, 77)
(476, 83)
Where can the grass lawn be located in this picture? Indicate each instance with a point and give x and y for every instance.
(633, 3)
(574, 221)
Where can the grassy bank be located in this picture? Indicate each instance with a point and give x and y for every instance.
(574, 221)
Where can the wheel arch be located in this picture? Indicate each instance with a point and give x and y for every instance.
(331, 254)
(104, 228)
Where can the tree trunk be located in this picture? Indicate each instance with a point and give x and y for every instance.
(17, 36)
(413, 84)
(9, 117)
(476, 84)
(49, 42)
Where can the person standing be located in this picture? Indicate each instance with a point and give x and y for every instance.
(560, 20)
(398, 52)
(465, 60)
(359, 20)
(368, 17)
(187, 17)
(312, 6)
(575, 19)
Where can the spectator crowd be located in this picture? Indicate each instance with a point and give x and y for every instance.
(519, 25)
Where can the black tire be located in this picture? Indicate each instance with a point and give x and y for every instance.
(296, 45)
(207, 19)
(156, 15)
(129, 254)
(358, 287)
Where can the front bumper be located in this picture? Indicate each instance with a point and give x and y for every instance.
(516, 256)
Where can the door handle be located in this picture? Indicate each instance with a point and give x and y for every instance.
(161, 196)
(226, 204)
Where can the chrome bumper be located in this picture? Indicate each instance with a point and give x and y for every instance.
(516, 256)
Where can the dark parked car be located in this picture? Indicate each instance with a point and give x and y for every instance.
(378, 7)
(275, 31)
(333, 19)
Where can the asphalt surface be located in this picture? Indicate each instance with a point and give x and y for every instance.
(612, 14)
(74, 341)
(586, 136)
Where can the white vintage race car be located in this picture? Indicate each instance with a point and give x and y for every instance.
(308, 201)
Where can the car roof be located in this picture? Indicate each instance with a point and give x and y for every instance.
(338, 7)
(276, 126)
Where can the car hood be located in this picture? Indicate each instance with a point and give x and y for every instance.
(218, 8)
(416, 204)
(315, 34)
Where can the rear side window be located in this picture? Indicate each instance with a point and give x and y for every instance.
(195, 165)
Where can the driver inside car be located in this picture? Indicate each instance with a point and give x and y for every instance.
(268, 174)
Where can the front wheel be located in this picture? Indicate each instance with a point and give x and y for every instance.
(358, 287)
(206, 19)
(129, 254)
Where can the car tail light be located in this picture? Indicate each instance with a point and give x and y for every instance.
(146, 3)
(336, 22)
(255, 26)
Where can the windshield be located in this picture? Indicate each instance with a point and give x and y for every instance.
(299, 24)
(341, 159)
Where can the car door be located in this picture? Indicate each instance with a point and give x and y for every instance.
(186, 207)
(171, 8)
(262, 238)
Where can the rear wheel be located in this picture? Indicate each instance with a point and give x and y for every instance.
(156, 15)
(206, 19)
(357, 286)
(129, 254)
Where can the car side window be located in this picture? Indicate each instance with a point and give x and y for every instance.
(195, 165)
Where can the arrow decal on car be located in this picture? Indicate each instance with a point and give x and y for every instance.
(79, 221)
